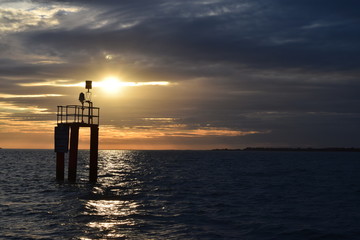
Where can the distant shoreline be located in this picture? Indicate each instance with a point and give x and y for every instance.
(248, 149)
(270, 149)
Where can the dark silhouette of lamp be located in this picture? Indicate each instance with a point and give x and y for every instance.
(86, 98)
(82, 98)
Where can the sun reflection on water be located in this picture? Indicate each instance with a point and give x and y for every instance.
(111, 207)
(111, 213)
(116, 214)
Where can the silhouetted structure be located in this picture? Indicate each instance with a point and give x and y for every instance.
(69, 119)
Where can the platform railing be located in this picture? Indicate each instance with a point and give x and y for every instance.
(78, 114)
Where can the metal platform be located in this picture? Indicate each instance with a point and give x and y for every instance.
(83, 116)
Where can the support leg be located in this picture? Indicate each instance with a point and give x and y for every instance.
(60, 166)
(74, 143)
(94, 145)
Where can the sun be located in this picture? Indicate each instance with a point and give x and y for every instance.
(111, 85)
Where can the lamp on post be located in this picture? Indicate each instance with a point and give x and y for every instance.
(88, 86)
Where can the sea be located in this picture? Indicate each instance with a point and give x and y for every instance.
(182, 195)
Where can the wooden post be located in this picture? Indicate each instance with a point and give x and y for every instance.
(60, 166)
(94, 145)
(74, 143)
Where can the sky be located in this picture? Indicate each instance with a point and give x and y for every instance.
(169, 74)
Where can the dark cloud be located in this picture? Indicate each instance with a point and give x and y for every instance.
(275, 35)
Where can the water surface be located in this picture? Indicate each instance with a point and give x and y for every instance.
(182, 195)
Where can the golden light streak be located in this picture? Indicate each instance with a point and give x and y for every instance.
(138, 84)
(29, 95)
(172, 130)
(8, 109)
(56, 83)
(113, 84)
(160, 119)
(15, 108)
(42, 127)
(110, 81)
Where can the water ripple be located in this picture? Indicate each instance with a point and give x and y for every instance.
(182, 195)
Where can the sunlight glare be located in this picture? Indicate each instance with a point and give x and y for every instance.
(111, 85)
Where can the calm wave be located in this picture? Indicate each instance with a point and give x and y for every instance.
(182, 195)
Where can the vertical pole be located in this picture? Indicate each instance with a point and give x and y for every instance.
(94, 145)
(74, 142)
(60, 166)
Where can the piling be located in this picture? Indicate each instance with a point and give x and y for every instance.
(94, 144)
(60, 166)
(74, 145)
(61, 147)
